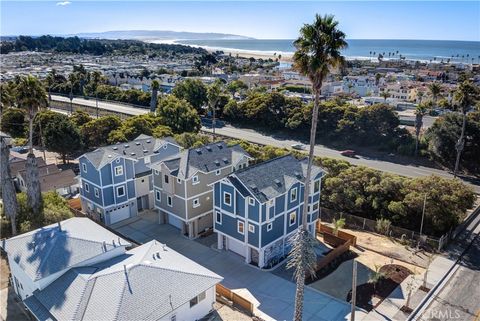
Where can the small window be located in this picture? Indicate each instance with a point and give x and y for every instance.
(87, 187)
(251, 201)
(156, 172)
(218, 172)
(240, 227)
(169, 201)
(316, 186)
(165, 178)
(194, 301)
(195, 180)
(315, 207)
(118, 170)
(251, 228)
(293, 218)
(158, 196)
(227, 198)
(97, 192)
(117, 161)
(218, 217)
(173, 318)
(179, 181)
(269, 227)
(120, 191)
(293, 194)
(84, 167)
(201, 296)
(196, 202)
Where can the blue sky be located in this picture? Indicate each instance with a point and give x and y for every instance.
(440, 20)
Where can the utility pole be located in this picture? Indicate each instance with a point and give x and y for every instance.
(423, 213)
(354, 290)
(96, 101)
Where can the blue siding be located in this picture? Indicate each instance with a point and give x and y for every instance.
(264, 212)
(240, 205)
(131, 189)
(298, 221)
(280, 204)
(229, 227)
(119, 178)
(90, 194)
(291, 204)
(216, 195)
(253, 237)
(124, 198)
(253, 211)
(106, 172)
(108, 196)
(228, 189)
(275, 233)
(91, 174)
(271, 212)
(129, 172)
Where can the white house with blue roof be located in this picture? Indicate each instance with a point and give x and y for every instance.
(258, 208)
(116, 182)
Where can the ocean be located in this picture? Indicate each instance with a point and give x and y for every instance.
(422, 50)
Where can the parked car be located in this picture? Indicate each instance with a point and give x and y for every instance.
(348, 153)
(298, 146)
(20, 149)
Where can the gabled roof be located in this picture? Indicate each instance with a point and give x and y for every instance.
(18, 165)
(206, 158)
(146, 283)
(56, 247)
(272, 178)
(136, 149)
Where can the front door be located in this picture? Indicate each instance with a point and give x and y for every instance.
(139, 204)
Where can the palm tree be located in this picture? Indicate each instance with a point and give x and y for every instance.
(466, 95)
(420, 111)
(31, 96)
(435, 90)
(214, 93)
(51, 78)
(153, 100)
(317, 52)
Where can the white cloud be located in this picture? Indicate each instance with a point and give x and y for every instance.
(63, 3)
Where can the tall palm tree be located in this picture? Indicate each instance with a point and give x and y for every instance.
(420, 111)
(31, 96)
(435, 90)
(317, 52)
(466, 95)
(153, 100)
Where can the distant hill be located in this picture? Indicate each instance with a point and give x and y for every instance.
(158, 35)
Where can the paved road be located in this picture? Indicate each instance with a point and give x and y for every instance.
(392, 164)
(395, 164)
(274, 294)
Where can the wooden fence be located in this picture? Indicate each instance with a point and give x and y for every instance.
(235, 298)
(322, 228)
(333, 254)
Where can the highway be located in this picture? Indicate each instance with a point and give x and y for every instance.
(392, 164)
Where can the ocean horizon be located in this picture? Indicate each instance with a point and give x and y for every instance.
(421, 50)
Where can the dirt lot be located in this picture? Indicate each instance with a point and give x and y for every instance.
(226, 313)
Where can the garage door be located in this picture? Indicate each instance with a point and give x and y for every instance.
(236, 246)
(175, 221)
(119, 214)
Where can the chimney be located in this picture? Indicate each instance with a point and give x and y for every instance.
(104, 246)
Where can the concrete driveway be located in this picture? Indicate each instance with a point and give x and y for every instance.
(274, 294)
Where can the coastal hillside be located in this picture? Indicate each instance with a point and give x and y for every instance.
(158, 35)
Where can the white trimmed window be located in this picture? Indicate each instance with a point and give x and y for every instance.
(218, 172)
(84, 167)
(196, 202)
(269, 227)
(292, 218)
(240, 227)
(96, 191)
(251, 201)
(87, 187)
(169, 201)
(293, 194)
(251, 228)
(120, 191)
(218, 217)
(118, 170)
(179, 181)
(227, 198)
(158, 196)
(316, 186)
(165, 178)
(156, 172)
(195, 180)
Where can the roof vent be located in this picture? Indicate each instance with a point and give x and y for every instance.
(199, 151)
(137, 143)
(220, 146)
(109, 155)
(157, 255)
(132, 154)
(277, 181)
(254, 187)
(124, 153)
(115, 147)
(148, 141)
(297, 174)
(217, 162)
(225, 160)
(145, 151)
(208, 148)
(126, 145)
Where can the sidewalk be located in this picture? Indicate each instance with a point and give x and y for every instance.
(389, 309)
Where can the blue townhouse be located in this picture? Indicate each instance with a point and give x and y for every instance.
(116, 182)
(257, 209)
